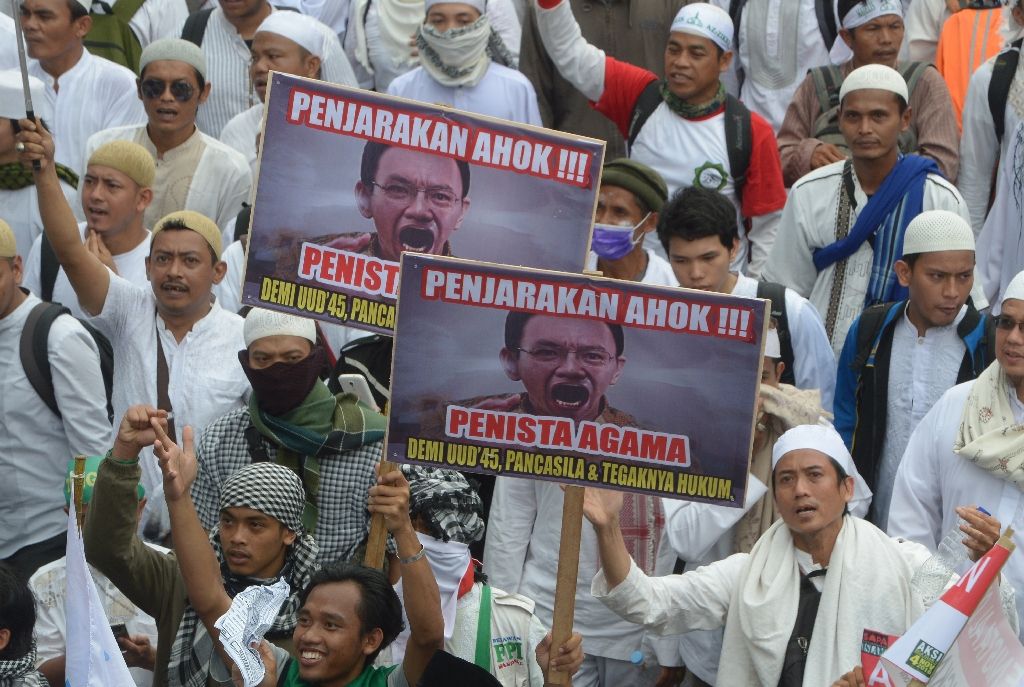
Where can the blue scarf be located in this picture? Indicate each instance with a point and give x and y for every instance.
(885, 217)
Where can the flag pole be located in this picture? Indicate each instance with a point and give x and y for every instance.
(19, 38)
(78, 484)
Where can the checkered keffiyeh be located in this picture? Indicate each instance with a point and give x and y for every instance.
(271, 489)
(275, 491)
(21, 672)
(447, 503)
(345, 480)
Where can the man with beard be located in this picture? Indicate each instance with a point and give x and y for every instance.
(416, 201)
(292, 419)
(174, 345)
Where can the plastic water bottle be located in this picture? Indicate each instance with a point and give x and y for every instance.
(951, 557)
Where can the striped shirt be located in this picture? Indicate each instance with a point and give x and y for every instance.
(227, 70)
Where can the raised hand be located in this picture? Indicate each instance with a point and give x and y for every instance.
(982, 531)
(178, 463)
(390, 498)
(601, 506)
(136, 430)
(36, 144)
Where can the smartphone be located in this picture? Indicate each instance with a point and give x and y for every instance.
(120, 631)
(357, 384)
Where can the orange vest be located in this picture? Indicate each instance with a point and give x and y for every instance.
(968, 38)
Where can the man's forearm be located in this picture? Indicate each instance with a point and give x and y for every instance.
(615, 560)
(422, 599)
(197, 562)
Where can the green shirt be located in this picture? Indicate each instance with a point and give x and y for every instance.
(372, 676)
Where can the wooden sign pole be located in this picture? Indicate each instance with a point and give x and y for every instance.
(565, 580)
(376, 542)
(78, 487)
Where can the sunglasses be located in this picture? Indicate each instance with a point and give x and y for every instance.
(181, 90)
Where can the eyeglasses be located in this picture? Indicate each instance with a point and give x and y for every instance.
(591, 357)
(1007, 324)
(181, 90)
(440, 197)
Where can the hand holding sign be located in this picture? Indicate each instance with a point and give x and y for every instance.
(854, 678)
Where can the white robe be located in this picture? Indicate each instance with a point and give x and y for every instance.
(502, 92)
(221, 182)
(20, 209)
(240, 134)
(1000, 253)
(808, 222)
(93, 95)
(8, 48)
(932, 481)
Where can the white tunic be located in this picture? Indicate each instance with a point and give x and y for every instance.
(220, 183)
(130, 265)
(205, 379)
(240, 134)
(924, 22)
(93, 95)
(502, 92)
(999, 246)
(932, 481)
(809, 222)
(8, 48)
(158, 19)
(49, 584)
(20, 209)
(921, 369)
(36, 445)
(659, 271)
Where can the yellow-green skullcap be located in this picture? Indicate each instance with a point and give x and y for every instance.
(197, 222)
(128, 158)
(8, 246)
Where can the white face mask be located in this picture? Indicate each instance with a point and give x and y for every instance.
(456, 57)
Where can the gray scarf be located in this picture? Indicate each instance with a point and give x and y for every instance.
(460, 57)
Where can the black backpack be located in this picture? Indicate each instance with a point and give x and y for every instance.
(823, 9)
(776, 293)
(738, 135)
(195, 24)
(35, 358)
(369, 356)
(1003, 71)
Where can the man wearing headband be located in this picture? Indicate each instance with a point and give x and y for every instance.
(36, 442)
(965, 450)
(343, 616)
(842, 231)
(194, 171)
(900, 357)
(17, 187)
(331, 442)
(381, 37)
(465, 64)
(697, 228)
(85, 93)
(701, 533)
(116, 188)
(795, 608)
(990, 121)
(683, 138)
(49, 584)
(628, 203)
(258, 539)
(17, 619)
(174, 345)
(811, 136)
(228, 34)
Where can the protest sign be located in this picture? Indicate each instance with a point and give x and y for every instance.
(872, 647)
(577, 379)
(349, 179)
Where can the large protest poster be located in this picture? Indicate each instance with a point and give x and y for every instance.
(350, 179)
(577, 379)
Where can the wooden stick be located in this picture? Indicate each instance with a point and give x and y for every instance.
(376, 543)
(565, 580)
(78, 486)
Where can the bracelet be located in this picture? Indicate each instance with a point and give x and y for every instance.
(412, 559)
(110, 457)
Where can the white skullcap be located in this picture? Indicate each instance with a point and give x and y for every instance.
(12, 97)
(479, 5)
(1015, 289)
(863, 12)
(260, 323)
(772, 346)
(823, 438)
(174, 49)
(702, 19)
(937, 230)
(298, 28)
(874, 76)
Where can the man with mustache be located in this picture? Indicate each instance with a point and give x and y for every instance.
(174, 346)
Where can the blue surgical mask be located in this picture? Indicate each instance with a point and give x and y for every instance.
(613, 242)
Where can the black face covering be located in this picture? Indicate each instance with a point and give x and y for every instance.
(282, 387)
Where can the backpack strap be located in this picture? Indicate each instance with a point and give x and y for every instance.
(1003, 71)
(643, 108)
(35, 357)
(827, 24)
(195, 26)
(736, 14)
(827, 81)
(739, 139)
(868, 329)
(49, 266)
(257, 451)
(912, 73)
(776, 293)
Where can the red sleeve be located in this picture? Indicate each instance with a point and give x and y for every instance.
(764, 191)
(623, 84)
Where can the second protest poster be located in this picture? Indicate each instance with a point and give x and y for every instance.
(349, 180)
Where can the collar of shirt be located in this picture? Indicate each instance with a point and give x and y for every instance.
(172, 155)
(208, 321)
(932, 332)
(807, 566)
(16, 320)
(83, 63)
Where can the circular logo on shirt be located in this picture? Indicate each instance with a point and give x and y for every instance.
(710, 175)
